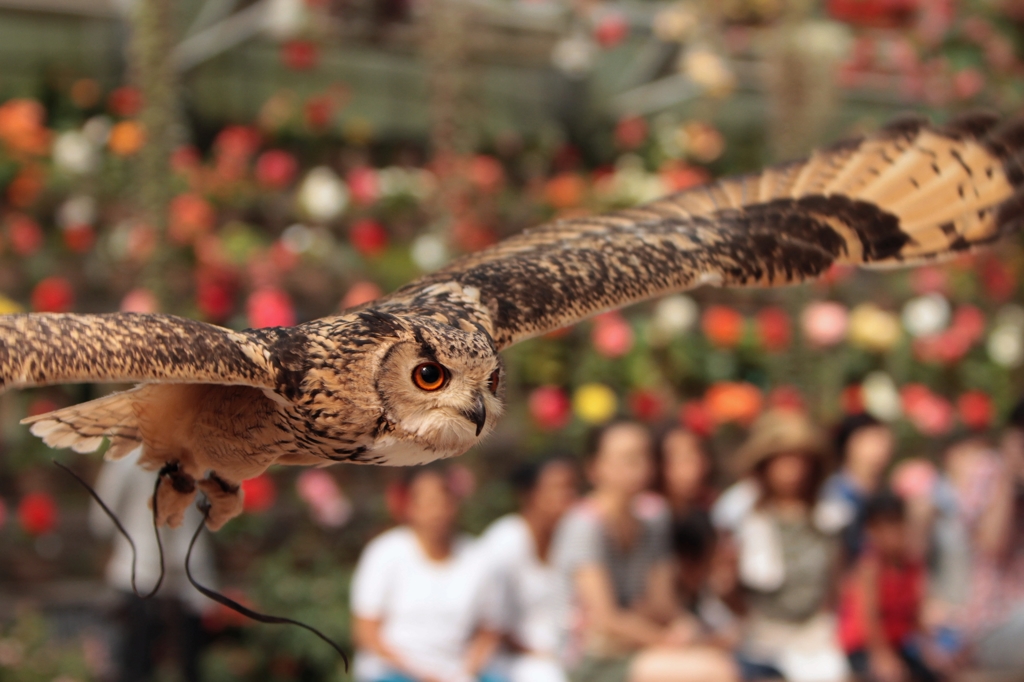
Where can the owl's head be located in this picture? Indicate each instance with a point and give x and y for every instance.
(441, 390)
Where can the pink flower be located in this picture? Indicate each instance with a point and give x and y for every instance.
(611, 30)
(328, 504)
(612, 336)
(360, 293)
(276, 169)
(931, 414)
(824, 323)
(363, 185)
(140, 301)
(270, 308)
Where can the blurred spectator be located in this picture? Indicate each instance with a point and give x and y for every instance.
(786, 562)
(702, 577)
(517, 549)
(423, 606)
(684, 472)
(881, 606)
(167, 626)
(993, 506)
(865, 449)
(612, 551)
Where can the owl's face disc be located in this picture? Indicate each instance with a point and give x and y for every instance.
(442, 391)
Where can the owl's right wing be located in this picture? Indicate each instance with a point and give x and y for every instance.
(909, 193)
(39, 349)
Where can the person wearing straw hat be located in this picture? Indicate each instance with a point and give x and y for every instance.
(787, 560)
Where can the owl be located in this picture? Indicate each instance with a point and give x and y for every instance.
(417, 375)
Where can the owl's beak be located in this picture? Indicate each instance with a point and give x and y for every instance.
(477, 413)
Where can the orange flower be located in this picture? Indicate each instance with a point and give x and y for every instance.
(733, 401)
(21, 127)
(722, 325)
(565, 190)
(126, 138)
(191, 216)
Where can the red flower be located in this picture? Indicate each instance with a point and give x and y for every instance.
(363, 185)
(929, 280)
(3, 514)
(486, 172)
(185, 158)
(259, 493)
(215, 294)
(318, 110)
(997, 278)
(53, 295)
(140, 301)
(270, 308)
(41, 406)
(930, 413)
(786, 398)
(79, 238)
(695, 417)
(679, 176)
(24, 234)
(125, 101)
(975, 409)
(368, 237)
(631, 132)
(852, 399)
(612, 336)
(968, 323)
(550, 407)
(773, 328)
(237, 142)
(275, 169)
(722, 325)
(37, 514)
(191, 216)
(611, 30)
(299, 55)
(646, 405)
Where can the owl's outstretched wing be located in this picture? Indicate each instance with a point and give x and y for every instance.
(909, 193)
(43, 349)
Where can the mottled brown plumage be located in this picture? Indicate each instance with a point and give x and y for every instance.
(225, 405)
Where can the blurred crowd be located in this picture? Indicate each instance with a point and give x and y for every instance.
(815, 558)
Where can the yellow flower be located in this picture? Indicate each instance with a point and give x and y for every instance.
(9, 307)
(595, 403)
(874, 329)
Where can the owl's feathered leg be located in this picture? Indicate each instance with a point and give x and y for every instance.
(175, 493)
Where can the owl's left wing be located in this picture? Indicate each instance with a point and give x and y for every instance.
(909, 193)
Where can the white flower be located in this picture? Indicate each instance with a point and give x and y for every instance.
(284, 19)
(926, 315)
(708, 70)
(323, 195)
(574, 56)
(429, 252)
(75, 153)
(97, 129)
(674, 315)
(1005, 346)
(298, 238)
(77, 211)
(881, 399)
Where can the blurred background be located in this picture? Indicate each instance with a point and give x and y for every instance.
(263, 162)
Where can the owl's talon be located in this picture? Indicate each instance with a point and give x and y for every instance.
(225, 500)
(172, 500)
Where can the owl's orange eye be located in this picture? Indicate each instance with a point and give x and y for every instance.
(429, 376)
(495, 380)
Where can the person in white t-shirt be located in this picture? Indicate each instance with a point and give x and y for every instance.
(425, 608)
(516, 547)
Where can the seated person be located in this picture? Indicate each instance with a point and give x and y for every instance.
(424, 609)
(703, 576)
(612, 554)
(786, 561)
(684, 472)
(517, 549)
(881, 605)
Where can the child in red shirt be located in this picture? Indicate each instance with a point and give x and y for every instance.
(879, 615)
